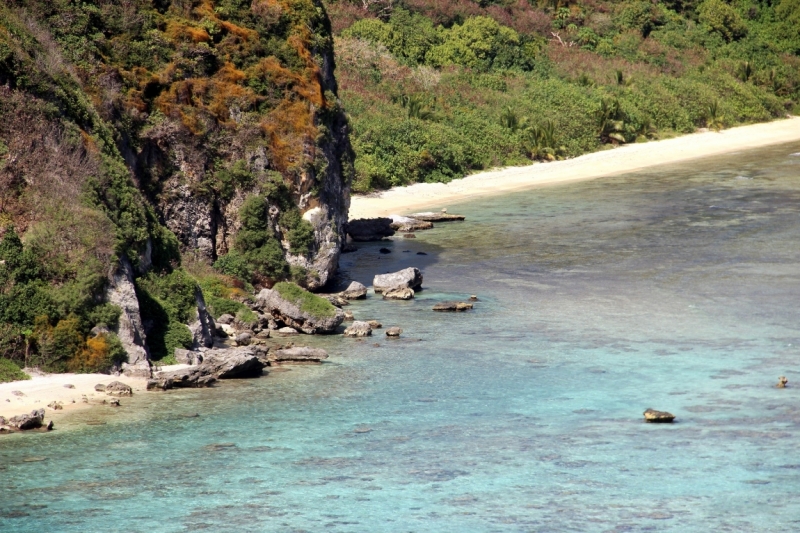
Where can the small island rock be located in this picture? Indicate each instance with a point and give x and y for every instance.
(782, 381)
(354, 291)
(298, 354)
(452, 306)
(410, 278)
(358, 329)
(651, 415)
(393, 332)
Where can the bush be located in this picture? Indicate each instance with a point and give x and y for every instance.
(100, 355)
(306, 301)
(9, 371)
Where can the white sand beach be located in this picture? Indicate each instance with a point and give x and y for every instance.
(612, 162)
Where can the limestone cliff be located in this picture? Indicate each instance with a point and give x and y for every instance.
(136, 134)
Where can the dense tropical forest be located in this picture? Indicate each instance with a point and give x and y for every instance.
(436, 89)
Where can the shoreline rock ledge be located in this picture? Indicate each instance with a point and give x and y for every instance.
(233, 363)
(408, 278)
(658, 417)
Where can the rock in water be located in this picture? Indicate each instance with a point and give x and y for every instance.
(651, 415)
(406, 224)
(369, 229)
(358, 329)
(354, 291)
(118, 388)
(408, 278)
(297, 354)
(336, 299)
(398, 294)
(432, 216)
(287, 332)
(374, 324)
(234, 363)
(452, 306)
(782, 381)
(348, 316)
(309, 313)
(393, 332)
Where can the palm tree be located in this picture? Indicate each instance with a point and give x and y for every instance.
(714, 119)
(540, 141)
(509, 119)
(610, 121)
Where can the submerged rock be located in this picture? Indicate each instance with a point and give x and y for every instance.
(651, 415)
(452, 306)
(358, 329)
(369, 229)
(410, 278)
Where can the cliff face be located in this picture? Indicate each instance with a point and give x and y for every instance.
(157, 130)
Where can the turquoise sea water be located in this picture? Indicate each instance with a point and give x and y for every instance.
(676, 288)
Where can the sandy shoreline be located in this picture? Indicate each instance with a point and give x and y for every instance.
(42, 390)
(613, 162)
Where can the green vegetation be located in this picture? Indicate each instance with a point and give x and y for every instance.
(306, 301)
(436, 90)
(9, 371)
(168, 302)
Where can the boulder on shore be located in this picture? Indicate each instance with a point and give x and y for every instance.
(354, 291)
(452, 306)
(408, 278)
(118, 388)
(398, 294)
(297, 354)
(358, 329)
(234, 363)
(369, 229)
(304, 312)
(34, 420)
(651, 415)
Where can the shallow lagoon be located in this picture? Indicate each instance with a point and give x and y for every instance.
(675, 288)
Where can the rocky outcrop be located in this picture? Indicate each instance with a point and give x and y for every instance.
(234, 363)
(410, 278)
(297, 354)
(432, 216)
(34, 420)
(659, 417)
(358, 329)
(336, 299)
(369, 229)
(130, 329)
(354, 291)
(287, 313)
(406, 224)
(453, 306)
(398, 294)
(188, 357)
(203, 329)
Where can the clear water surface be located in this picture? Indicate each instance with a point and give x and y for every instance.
(675, 288)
